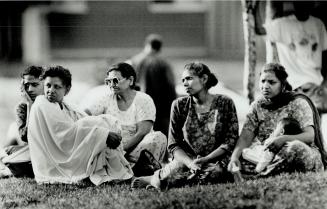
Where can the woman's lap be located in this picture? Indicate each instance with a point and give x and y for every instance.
(176, 174)
(295, 156)
(154, 142)
(298, 156)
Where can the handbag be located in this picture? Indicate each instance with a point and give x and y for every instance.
(146, 165)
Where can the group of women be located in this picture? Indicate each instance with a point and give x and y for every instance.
(67, 145)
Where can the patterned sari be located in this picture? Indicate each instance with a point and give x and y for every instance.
(295, 155)
(199, 134)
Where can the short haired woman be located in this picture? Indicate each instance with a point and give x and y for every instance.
(68, 147)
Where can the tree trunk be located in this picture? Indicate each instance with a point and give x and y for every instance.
(250, 48)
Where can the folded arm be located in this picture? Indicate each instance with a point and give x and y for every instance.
(142, 129)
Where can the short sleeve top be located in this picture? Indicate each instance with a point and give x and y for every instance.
(141, 109)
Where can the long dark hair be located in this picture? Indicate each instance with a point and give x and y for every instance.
(280, 73)
(285, 95)
(36, 71)
(200, 69)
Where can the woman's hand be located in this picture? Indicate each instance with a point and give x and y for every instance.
(197, 163)
(113, 140)
(26, 98)
(233, 164)
(181, 156)
(274, 144)
(193, 166)
(200, 161)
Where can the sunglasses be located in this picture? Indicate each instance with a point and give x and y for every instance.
(113, 81)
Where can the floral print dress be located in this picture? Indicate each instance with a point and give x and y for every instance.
(296, 155)
(199, 134)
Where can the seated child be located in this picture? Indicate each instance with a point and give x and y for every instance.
(286, 126)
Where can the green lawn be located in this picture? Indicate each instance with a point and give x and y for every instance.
(285, 191)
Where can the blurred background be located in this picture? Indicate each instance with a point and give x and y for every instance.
(88, 36)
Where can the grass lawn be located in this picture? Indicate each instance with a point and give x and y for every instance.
(285, 191)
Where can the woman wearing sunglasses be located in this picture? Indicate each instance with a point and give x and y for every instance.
(135, 111)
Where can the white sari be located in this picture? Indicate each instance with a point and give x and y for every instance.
(67, 147)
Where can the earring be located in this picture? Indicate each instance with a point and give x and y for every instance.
(283, 89)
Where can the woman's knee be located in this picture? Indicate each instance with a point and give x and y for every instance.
(156, 137)
(297, 146)
(304, 158)
(12, 137)
(293, 150)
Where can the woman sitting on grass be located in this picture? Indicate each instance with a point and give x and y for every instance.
(66, 146)
(203, 131)
(136, 113)
(300, 152)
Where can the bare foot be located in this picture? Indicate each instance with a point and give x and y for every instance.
(147, 181)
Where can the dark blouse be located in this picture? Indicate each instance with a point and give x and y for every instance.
(200, 134)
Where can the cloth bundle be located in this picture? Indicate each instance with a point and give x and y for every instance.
(66, 150)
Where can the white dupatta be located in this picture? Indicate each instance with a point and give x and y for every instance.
(64, 149)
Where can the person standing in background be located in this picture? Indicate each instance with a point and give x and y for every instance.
(155, 78)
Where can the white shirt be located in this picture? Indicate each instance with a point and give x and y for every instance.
(141, 109)
(299, 45)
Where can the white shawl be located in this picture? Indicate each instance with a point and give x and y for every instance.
(64, 149)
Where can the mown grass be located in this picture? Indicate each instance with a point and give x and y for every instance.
(285, 191)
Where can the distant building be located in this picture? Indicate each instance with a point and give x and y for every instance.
(84, 29)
